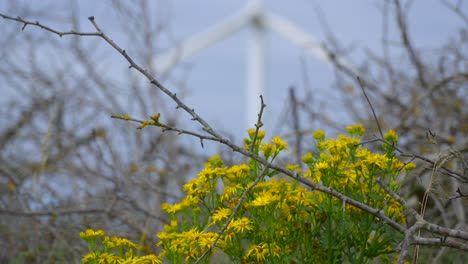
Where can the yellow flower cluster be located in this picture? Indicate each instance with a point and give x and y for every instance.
(115, 250)
(277, 209)
(110, 258)
(280, 219)
(91, 234)
(269, 150)
(348, 167)
(190, 244)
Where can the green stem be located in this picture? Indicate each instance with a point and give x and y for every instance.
(329, 230)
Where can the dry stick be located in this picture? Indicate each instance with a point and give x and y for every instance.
(296, 123)
(169, 128)
(440, 242)
(406, 242)
(457, 9)
(236, 209)
(361, 84)
(220, 139)
(415, 60)
(258, 125)
(59, 33)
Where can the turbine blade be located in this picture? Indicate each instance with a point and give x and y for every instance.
(203, 40)
(303, 40)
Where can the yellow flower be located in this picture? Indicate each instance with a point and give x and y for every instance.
(107, 258)
(207, 239)
(321, 166)
(301, 196)
(92, 256)
(216, 161)
(410, 166)
(268, 150)
(276, 250)
(264, 199)
(395, 211)
(356, 130)
(178, 245)
(114, 242)
(191, 186)
(237, 172)
(192, 235)
(220, 214)
(148, 259)
(91, 234)
(226, 239)
(450, 140)
(261, 134)
(334, 145)
(11, 186)
(391, 136)
(164, 237)
(239, 225)
(351, 177)
(251, 132)
(319, 135)
(189, 201)
(294, 168)
(307, 174)
(362, 152)
(171, 208)
(308, 158)
(260, 252)
(397, 164)
(377, 160)
(165, 206)
(230, 190)
(279, 143)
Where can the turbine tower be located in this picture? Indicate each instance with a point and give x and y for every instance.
(258, 21)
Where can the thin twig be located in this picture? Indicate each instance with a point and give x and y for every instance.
(259, 124)
(296, 124)
(37, 24)
(457, 9)
(361, 84)
(414, 58)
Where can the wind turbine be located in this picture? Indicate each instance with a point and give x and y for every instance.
(258, 21)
